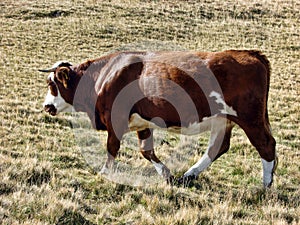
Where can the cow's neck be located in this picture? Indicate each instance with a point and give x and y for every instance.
(86, 95)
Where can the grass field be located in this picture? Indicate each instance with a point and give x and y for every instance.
(46, 176)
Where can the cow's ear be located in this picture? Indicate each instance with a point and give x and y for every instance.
(63, 76)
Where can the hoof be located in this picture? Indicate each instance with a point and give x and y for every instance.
(186, 181)
(171, 180)
(104, 170)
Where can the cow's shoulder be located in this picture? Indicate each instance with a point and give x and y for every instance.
(120, 70)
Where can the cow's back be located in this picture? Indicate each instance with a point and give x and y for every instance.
(177, 86)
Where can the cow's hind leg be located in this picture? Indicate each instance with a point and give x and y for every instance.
(226, 141)
(146, 148)
(261, 138)
(218, 144)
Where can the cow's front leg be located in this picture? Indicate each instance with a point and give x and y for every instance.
(113, 146)
(146, 148)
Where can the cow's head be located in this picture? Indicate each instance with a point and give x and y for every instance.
(60, 88)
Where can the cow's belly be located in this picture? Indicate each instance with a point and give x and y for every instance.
(137, 123)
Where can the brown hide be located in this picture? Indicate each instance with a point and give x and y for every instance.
(157, 78)
(174, 89)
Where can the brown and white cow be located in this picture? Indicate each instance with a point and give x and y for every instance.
(184, 92)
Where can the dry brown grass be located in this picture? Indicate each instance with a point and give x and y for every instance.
(44, 178)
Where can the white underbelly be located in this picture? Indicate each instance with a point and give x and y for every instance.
(137, 123)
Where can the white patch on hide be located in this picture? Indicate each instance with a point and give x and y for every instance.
(226, 108)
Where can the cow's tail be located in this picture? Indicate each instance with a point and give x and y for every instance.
(263, 59)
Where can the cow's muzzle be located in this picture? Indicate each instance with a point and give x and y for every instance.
(50, 109)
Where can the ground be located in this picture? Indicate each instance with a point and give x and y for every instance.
(46, 177)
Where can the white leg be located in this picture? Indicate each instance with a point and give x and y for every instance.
(268, 169)
(161, 169)
(105, 170)
(108, 166)
(218, 128)
(201, 165)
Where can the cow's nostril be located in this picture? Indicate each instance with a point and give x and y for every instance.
(50, 109)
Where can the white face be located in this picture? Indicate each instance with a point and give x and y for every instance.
(54, 103)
